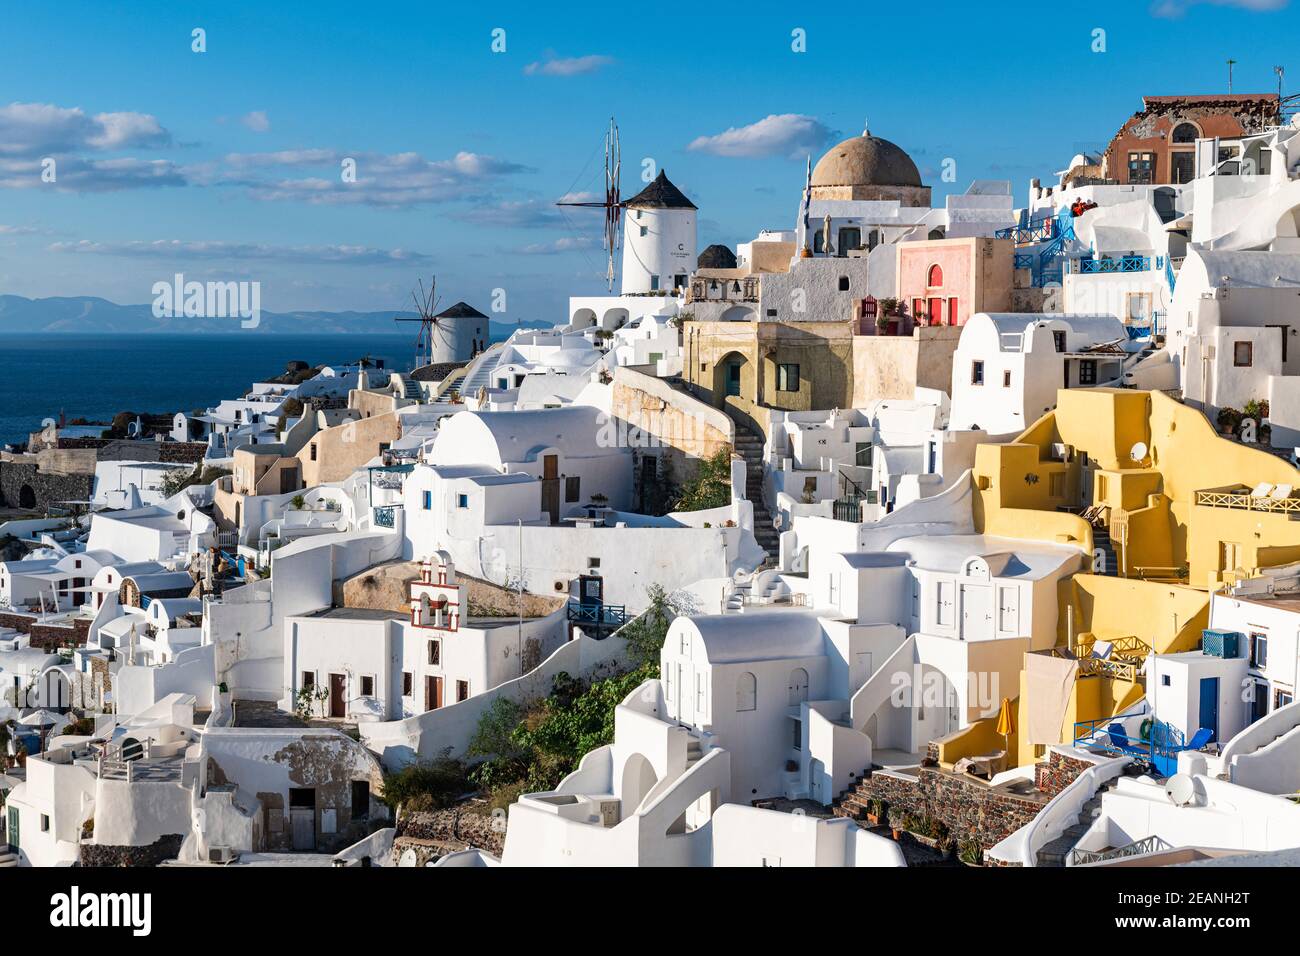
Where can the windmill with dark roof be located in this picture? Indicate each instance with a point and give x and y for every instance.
(453, 335)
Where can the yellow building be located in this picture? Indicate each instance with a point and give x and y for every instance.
(1169, 510)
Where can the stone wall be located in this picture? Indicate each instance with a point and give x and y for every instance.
(1058, 772)
(46, 488)
(969, 809)
(456, 828)
(386, 587)
(50, 637)
(164, 848)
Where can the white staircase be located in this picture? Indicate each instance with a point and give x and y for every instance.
(8, 858)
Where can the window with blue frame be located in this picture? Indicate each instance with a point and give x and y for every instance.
(428, 501)
(462, 501)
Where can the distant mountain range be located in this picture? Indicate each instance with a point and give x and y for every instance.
(88, 315)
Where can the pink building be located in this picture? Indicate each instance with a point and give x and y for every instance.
(946, 281)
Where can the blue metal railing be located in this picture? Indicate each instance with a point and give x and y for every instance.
(1040, 230)
(385, 516)
(145, 601)
(1122, 264)
(601, 615)
(1024, 260)
(1160, 748)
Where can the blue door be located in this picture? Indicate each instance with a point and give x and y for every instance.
(733, 378)
(1210, 705)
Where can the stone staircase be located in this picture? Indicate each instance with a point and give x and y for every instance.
(8, 858)
(1057, 853)
(852, 803)
(750, 447)
(1101, 540)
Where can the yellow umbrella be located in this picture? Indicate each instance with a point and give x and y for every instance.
(1006, 721)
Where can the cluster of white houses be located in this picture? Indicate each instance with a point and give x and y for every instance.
(909, 522)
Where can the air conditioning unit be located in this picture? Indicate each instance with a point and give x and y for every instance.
(222, 854)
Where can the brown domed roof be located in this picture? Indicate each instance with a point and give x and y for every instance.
(866, 160)
(716, 256)
(660, 194)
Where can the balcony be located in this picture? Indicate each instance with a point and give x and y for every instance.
(724, 290)
(1277, 500)
(1107, 264)
(385, 516)
(603, 617)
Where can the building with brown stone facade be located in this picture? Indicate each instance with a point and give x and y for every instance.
(1157, 145)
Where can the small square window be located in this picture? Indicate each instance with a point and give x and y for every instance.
(428, 501)
(407, 683)
(593, 563)
(1006, 378)
(462, 501)
(572, 488)
(367, 686)
(462, 690)
(1243, 354)
(787, 378)
(313, 451)
(1165, 680)
(977, 373)
(435, 653)
(1088, 372)
(45, 823)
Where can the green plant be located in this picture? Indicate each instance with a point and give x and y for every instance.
(710, 486)
(298, 501)
(1229, 419)
(427, 785)
(970, 853)
(645, 634)
(307, 696)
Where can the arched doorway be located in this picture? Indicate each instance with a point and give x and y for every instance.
(583, 319)
(729, 376)
(639, 779)
(26, 498)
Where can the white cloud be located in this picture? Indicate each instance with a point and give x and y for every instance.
(567, 66)
(42, 129)
(219, 250)
(567, 244)
(394, 180)
(76, 174)
(1172, 9)
(787, 134)
(257, 121)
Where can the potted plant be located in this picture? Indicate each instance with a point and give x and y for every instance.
(1229, 420)
(877, 811)
(970, 853)
(898, 821)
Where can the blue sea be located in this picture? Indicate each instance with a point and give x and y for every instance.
(97, 376)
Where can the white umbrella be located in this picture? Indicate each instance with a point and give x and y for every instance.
(40, 718)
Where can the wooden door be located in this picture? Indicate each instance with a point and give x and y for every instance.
(551, 487)
(432, 693)
(936, 311)
(338, 700)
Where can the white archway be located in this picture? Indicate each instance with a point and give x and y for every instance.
(639, 778)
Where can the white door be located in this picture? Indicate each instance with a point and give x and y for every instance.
(976, 612)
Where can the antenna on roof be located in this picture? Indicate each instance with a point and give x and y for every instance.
(1230, 62)
(612, 204)
(1279, 70)
(426, 305)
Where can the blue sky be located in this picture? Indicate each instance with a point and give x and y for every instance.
(226, 164)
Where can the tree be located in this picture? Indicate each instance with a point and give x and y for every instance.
(710, 486)
(645, 634)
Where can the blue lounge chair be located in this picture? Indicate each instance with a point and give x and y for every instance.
(1202, 737)
(1120, 741)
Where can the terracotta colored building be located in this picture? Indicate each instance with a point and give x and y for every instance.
(1157, 145)
(946, 281)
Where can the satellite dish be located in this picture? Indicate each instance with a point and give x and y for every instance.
(1139, 451)
(408, 858)
(1181, 789)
